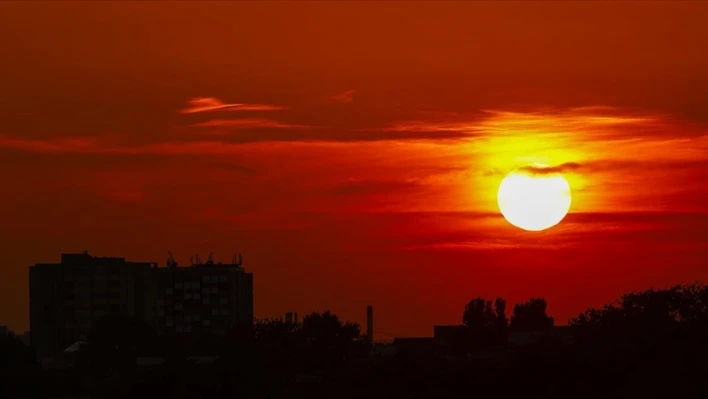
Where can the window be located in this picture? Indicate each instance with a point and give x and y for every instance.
(205, 290)
(215, 312)
(187, 329)
(188, 295)
(222, 278)
(205, 278)
(197, 296)
(187, 319)
(179, 307)
(224, 312)
(197, 317)
(206, 323)
(168, 322)
(205, 300)
(168, 291)
(161, 302)
(224, 301)
(179, 285)
(179, 329)
(214, 290)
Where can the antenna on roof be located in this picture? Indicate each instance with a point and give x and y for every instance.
(171, 262)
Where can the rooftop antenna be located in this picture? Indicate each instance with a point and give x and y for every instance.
(210, 260)
(171, 262)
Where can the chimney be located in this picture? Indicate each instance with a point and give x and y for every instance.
(295, 317)
(289, 317)
(370, 323)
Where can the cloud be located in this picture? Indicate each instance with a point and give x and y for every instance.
(249, 123)
(431, 130)
(369, 187)
(50, 146)
(430, 126)
(576, 124)
(583, 123)
(206, 104)
(615, 230)
(549, 170)
(344, 97)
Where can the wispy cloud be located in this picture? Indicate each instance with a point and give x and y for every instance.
(596, 122)
(432, 126)
(583, 123)
(60, 145)
(344, 97)
(431, 130)
(195, 147)
(207, 104)
(369, 187)
(549, 170)
(249, 123)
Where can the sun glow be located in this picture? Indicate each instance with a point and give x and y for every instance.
(534, 197)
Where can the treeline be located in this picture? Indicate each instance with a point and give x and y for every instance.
(485, 322)
(651, 343)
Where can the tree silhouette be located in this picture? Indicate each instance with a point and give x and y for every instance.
(641, 317)
(330, 341)
(14, 354)
(276, 338)
(657, 333)
(531, 316)
(485, 322)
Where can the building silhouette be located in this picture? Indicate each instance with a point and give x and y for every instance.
(204, 299)
(68, 298)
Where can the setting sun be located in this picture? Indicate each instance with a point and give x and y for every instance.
(534, 197)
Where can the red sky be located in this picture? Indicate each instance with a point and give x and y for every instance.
(352, 151)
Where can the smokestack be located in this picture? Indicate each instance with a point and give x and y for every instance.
(370, 323)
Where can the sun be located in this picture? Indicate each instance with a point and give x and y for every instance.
(534, 197)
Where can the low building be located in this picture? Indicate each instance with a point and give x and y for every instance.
(415, 346)
(556, 334)
(382, 350)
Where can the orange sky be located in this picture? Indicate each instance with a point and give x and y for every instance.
(352, 151)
